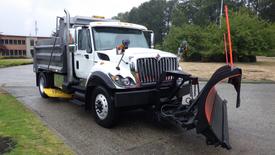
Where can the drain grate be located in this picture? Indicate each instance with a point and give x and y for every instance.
(6, 144)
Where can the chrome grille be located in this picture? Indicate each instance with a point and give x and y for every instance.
(150, 69)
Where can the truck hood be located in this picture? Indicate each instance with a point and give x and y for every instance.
(133, 54)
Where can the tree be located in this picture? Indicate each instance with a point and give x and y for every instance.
(122, 16)
(155, 15)
(268, 11)
(201, 12)
(250, 35)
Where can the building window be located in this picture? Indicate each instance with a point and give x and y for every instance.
(23, 42)
(24, 53)
(32, 52)
(15, 42)
(16, 52)
(6, 41)
(20, 52)
(10, 41)
(32, 42)
(19, 42)
(1, 42)
(11, 52)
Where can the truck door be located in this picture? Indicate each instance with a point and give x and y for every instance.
(83, 57)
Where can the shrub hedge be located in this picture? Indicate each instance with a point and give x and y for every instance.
(251, 36)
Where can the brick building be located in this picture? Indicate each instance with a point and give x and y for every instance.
(17, 46)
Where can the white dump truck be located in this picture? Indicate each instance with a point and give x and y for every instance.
(111, 66)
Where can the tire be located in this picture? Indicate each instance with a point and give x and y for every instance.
(42, 83)
(103, 108)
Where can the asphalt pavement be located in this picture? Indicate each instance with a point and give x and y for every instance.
(251, 127)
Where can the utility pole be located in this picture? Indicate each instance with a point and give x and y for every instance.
(221, 14)
(36, 28)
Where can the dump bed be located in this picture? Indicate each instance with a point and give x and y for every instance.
(50, 55)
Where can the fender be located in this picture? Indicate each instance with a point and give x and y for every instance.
(95, 79)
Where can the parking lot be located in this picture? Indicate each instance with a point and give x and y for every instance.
(251, 127)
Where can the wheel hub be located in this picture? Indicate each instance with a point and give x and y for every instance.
(101, 106)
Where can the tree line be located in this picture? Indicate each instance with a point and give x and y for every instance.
(197, 21)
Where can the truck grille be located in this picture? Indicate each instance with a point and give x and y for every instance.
(150, 69)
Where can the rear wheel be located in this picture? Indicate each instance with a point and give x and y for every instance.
(42, 84)
(103, 108)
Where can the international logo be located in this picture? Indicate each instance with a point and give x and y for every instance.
(158, 57)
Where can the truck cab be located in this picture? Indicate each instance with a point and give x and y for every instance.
(89, 59)
(95, 46)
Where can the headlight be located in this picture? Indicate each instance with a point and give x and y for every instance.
(126, 81)
(121, 81)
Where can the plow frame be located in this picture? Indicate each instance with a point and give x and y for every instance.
(205, 111)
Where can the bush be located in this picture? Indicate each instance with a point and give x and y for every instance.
(246, 58)
(250, 36)
(215, 57)
(271, 53)
(194, 56)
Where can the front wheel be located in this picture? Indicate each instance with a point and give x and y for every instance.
(103, 108)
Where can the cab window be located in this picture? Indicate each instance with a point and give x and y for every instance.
(84, 40)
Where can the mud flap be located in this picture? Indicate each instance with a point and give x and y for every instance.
(211, 117)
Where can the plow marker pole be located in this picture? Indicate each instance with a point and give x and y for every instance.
(228, 34)
(225, 48)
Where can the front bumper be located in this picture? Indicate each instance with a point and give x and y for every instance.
(149, 96)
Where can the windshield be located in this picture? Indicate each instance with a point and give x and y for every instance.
(106, 38)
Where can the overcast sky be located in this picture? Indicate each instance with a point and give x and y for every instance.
(18, 17)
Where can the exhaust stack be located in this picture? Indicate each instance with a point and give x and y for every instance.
(68, 53)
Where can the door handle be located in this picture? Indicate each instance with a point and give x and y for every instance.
(86, 56)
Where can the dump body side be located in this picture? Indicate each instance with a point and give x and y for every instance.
(50, 55)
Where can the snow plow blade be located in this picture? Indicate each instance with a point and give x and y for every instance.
(212, 110)
(207, 112)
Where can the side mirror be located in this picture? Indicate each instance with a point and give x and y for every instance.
(120, 49)
(150, 37)
(71, 39)
(126, 43)
(72, 48)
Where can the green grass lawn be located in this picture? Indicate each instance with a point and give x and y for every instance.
(32, 137)
(14, 62)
